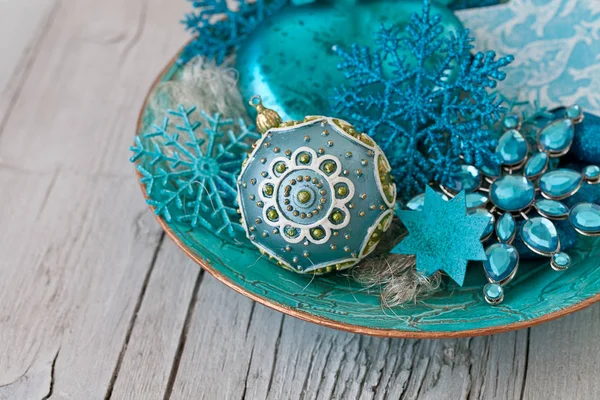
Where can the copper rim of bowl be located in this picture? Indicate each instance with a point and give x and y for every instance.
(388, 333)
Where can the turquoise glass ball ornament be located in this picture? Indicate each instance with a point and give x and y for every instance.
(290, 61)
(314, 195)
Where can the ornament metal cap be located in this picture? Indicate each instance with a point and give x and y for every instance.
(266, 118)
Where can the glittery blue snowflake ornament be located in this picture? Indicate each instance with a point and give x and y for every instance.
(424, 98)
(218, 30)
(443, 236)
(190, 173)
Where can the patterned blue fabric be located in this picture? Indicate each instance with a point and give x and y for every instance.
(556, 44)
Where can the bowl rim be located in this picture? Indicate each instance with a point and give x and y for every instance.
(306, 316)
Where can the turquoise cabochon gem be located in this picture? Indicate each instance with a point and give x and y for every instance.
(506, 228)
(475, 200)
(512, 147)
(289, 59)
(511, 121)
(490, 170)
(467, 179)
(556, 137)
(585, 217)
(591, 173)
(536, 165)
(493, 292)
(561, 261)
(502, 262)
(540, 235)
(574, 112)
(512, 192)
(551, 208)
(560, 183)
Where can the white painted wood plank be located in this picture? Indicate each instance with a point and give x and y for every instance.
(71, 280)
(155, 340)
(234, 350)
(22, 25)
(230, 338)
(564, 356)
(97, 64)
(76, 239)
(36, 382)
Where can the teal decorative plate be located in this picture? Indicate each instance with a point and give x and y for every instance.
(538, 293)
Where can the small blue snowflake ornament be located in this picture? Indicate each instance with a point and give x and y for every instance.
(190, 173)
(443, 236)
(424, 98)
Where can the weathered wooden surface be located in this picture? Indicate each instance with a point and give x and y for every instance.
(96, 303)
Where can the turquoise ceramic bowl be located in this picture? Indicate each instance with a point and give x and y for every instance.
(536, 295)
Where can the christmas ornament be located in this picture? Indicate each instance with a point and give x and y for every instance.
(267, 65)
(190, 169)
(431, 110)
(315, 195)
(443, 235)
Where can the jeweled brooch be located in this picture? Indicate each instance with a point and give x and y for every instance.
(525, 187)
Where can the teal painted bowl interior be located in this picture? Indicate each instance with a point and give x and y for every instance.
(537, 294)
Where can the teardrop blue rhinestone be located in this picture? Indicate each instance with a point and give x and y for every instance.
(512, 192)
(467, 179)
(540, 235)
(560, 183)
(536, 165)
(494, 293)
(475, 200)
(557, 137)
(490, 227)
(490, 169)
(512, 148)
(506, 228)
(502, 261)
(585, 218)
(551, 208)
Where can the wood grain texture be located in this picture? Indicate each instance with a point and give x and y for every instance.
(262, 358)
(144, 372)
(22, 26)
(95, 303)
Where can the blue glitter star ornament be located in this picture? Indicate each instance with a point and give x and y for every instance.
(442, 236)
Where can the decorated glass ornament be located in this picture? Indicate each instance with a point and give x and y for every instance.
(267, 65)
(314, 195)
(525, 187)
